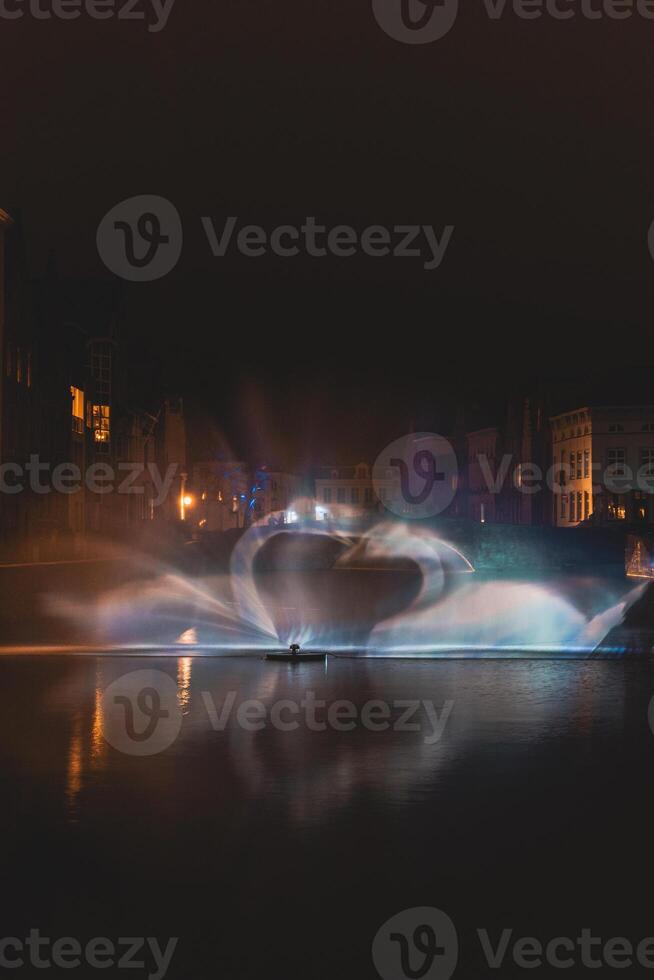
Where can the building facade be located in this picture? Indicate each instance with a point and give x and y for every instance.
(20, 507)
(483, 452)
(349, 491)
(603, 462)
(216, 496)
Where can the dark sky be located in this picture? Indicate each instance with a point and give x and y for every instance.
(532, 138)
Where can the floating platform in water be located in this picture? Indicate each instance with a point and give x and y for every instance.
(294, 655)
(296, 658)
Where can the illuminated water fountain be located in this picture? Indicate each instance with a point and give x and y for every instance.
(394, 589)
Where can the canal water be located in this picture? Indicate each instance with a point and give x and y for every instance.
(278, 847)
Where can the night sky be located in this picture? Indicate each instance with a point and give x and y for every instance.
(532, 138)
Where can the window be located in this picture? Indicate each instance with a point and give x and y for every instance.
(580, 515)
(355, 495)
(641, 508)
(647, 427)
(101, 370)
(573, 510)
(327, 495)
(572, 466)
(563, 506)
(19, 366)
(579, 466)
(616, 427)
(647, 461)
(616, 459)
(586, 505)
(616, 510)
(586, 463)
(367, 495)
(340, 495)
(101, 415)
(77, 403)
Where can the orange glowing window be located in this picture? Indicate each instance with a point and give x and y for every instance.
(101, 418)
(77, 409)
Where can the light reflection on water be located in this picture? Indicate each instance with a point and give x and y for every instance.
(313, 774)
(542, 767)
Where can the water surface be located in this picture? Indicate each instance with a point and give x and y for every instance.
(280, 854)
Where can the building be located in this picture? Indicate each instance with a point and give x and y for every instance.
(497, 465)
(19, 407)
(273, 494)
(483, 452)
(603, 463)
(216, 496)
(349, 491)
(171, 455)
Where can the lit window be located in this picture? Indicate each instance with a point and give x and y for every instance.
(586, 463)
(101, 418)
(77, 407)
(616, 510)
